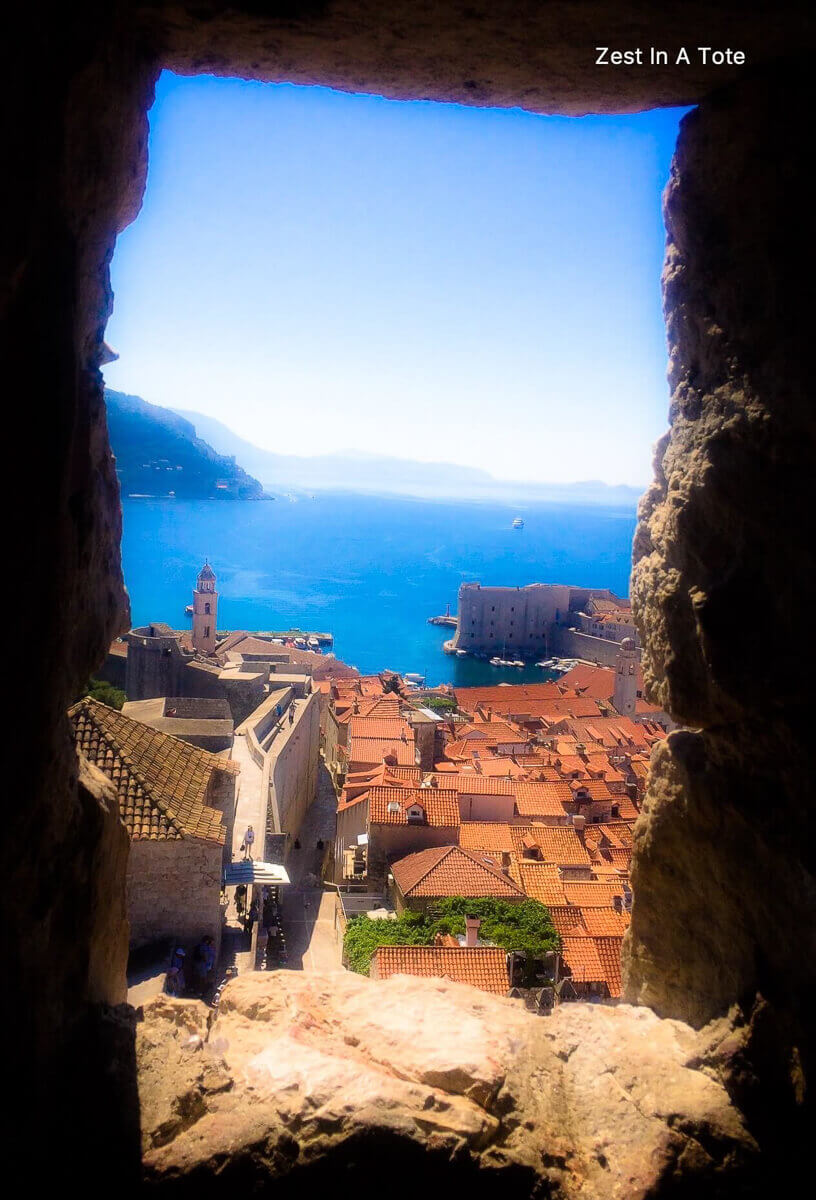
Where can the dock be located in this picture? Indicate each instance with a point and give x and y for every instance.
(445, 619)
(323, 639)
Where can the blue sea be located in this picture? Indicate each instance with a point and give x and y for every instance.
(368, 569)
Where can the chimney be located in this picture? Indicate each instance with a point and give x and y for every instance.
(505, 861)
(579, 822)
(472, 931)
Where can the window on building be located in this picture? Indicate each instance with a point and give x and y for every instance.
(206, 631)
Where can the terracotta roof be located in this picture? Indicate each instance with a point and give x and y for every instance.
(582, 959)
(559, 844)
(594, 893)
(495, 836)
(594, 960)
(482, 967)
(609, 952)
(162, 782)
(602, 922)
(540, 881)
(388, 806)
(380, 727)
(451, 871)
(617, 833)
(542, 799)
(472, 783)
(377, 750)
(501, 699)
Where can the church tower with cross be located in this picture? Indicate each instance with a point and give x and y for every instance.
(205, 611)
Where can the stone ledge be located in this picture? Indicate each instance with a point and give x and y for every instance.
(303, 1071)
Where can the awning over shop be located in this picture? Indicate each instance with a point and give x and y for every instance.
(246, 870)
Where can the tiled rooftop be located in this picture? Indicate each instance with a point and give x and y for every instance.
(451, 871)
(162, 782)
(388, 806)
(377, 750)
(482, 967)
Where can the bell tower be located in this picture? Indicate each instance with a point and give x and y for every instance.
(626, 678)
(205, 610)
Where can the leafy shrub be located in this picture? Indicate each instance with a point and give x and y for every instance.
(525, 927)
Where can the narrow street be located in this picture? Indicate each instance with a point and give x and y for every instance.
(308, 911)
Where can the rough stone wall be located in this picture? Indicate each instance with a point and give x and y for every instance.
(74, 164)
(723, 870)
(79, 83)
(173, 890)
(293, 766)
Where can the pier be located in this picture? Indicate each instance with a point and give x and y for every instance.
(446, 619)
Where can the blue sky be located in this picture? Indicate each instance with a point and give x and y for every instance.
(325, 272)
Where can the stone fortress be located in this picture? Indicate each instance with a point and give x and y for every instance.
(542, 619)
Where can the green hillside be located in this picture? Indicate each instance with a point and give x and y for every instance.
(158, 454)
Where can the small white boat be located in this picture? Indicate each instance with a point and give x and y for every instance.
(495, 661)
(518, 523)
(412, 677)
(517, 663)
(461, 653)
(314, 644)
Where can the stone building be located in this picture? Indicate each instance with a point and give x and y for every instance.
(177, 803)
(518, 621)
(200, 722)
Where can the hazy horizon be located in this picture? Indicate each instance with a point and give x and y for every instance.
(332, 274)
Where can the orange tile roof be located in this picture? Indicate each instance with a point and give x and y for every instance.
(483, 967)
(472, 783)
(379, 750)
(595, 893)
(380, 727)
(617, 833)
(494, 836)
(441, 807)
(559, 844)
(452, 871)
(581, 957)
(499, 698)
(539, 881)
(609, 953)
(161, 781)
(602, 922)
(542, 799)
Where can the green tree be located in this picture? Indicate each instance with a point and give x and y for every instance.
(525, 927)
(105, 693)
(441, 703)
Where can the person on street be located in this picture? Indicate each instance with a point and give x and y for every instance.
(249, 841)
(240, 900)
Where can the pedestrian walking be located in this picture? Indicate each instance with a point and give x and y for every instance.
(291, 714)
(249, 840)
(252, 916)
(240, 899)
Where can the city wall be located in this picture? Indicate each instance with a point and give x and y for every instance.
(569, 643)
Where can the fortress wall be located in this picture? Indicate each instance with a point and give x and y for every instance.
(568, 644)
(512, 620)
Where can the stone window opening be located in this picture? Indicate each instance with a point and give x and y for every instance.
(735, 351)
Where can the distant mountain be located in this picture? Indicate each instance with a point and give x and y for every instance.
(355, 471)
(159, 453)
